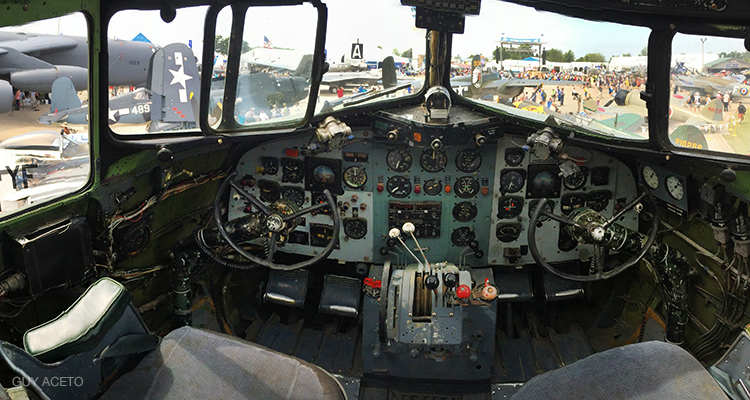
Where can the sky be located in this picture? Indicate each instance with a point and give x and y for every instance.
(384, 25)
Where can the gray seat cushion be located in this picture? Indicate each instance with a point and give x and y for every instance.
(196, 364)
(643, 371)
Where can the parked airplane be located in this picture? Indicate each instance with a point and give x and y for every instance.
(170, 99)
(630, 102)
(33, 62)
(712, 85)
(385, 76)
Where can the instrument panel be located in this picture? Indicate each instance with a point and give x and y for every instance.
(469, 203)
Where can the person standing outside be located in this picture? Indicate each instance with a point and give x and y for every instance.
(340, 92)
(18, 100)
(741, 112)
(726, 100)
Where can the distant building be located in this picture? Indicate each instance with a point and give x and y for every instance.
(727, 64)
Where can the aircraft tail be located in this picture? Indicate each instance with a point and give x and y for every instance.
(63, 95)
(175, 85)
(304, 69)
(6, 97)
(389, 72)
(476, 77)
(713, 111)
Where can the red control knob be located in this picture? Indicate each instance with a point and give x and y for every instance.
(463, 292)
(417, 189)
(380, 187)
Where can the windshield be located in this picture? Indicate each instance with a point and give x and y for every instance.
(373, 55)
(535, 65)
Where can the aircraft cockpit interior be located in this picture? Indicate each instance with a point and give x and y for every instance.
(402, 199)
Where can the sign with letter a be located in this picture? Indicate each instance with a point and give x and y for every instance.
(357, 51)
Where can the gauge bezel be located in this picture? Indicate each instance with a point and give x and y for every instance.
(429, 190)
(542, 217)
(472, 168)
(274, 187)
(406, 157)
(514, 214)
(346, 224)
(391, 181)
(471, 236)
(299, 164)
(506, 172)
(466, 195)
(671, 190)
(514, 151)
(473, 211)
(442, 162)
(653, 185)
(566, 197)
(583, 171)
(514, 225)
(298, 190)
(348, 182)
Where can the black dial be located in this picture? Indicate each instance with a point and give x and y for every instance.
(548, 206)
(355, 177)
(507, 233)
(398, 186)
(599, 176)
(292, 170)
(511, 181)
(433, 160)
(571, 201)
(577, 180)
(355, 228)
(466, 186)
(269, 191)
(270, 165)
(464, 211)
(319, 198)
(433, 187)
(599, 200)
(510, 207)
(468, 160)
(462, 236)
(294, 194)
(398, 159)
(514, 156)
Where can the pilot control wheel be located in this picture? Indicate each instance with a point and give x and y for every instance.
(589, 226)
(272, 225)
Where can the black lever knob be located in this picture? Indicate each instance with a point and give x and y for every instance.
(450, 280)
(431, 282)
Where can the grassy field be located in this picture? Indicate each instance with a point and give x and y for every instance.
(740, 139)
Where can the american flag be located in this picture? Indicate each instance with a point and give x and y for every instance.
(267, 43)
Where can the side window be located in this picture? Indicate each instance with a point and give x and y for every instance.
(710, 94)
(44, 152)
(154, 79)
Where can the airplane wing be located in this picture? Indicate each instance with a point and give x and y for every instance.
(40, 44)
(14, 60)
(343, 78)
(628, 122)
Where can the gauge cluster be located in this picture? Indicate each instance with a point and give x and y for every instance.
(666, 186)
(469, 200)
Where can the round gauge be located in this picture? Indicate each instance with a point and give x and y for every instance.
(398, 186)
(599, 200)
(355, 228)
(320, 198)
(269, 191)
(509, 207)
(462, 236)
(511, 182)
(433, 160)
(508, 232)
(294, 194)
(577, 180)
(355, 177)
(270, 165)
(433, 187)
(398, 159)
(514, 156)
(674, 187)
(544, 184)
(650, 177)
(466, 186)
(323, 174)
(292, 170)
(571, 201)
(464, 211)
(468, 160)
(548, 206)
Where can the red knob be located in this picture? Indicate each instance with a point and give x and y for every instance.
(380, 187)
(417, 189)
(463, 292)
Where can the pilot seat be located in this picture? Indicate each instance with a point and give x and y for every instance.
(101, 340)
